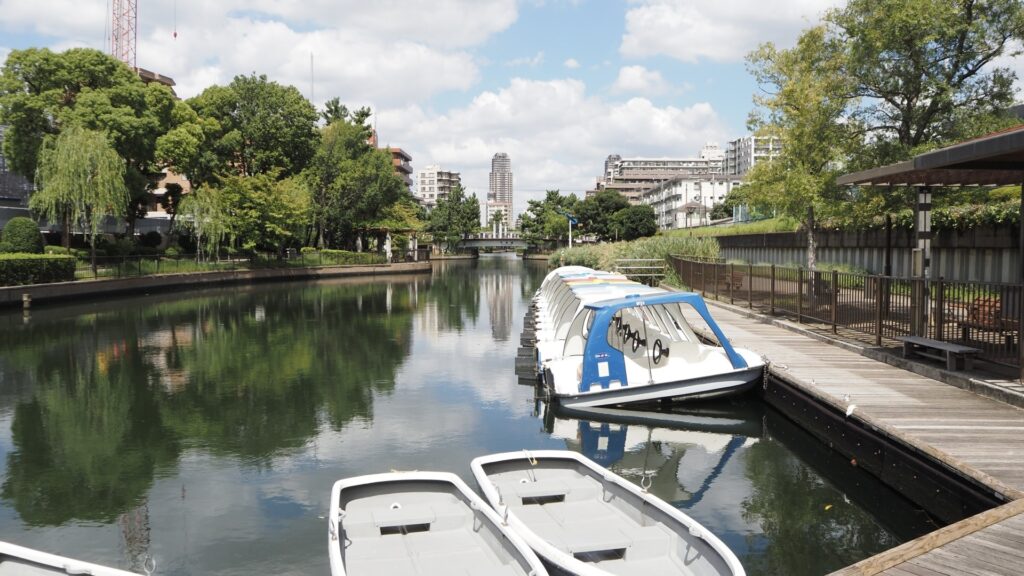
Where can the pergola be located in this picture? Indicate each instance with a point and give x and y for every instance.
(993, 160)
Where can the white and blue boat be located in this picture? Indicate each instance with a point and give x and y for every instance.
(604, 343)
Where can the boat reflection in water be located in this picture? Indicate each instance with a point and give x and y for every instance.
(780, 499)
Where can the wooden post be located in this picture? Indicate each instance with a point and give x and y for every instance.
(835, 301)
(715, 282)
(1020, 289)
(771, 292)
(799, 294)
(878, 310)
(729, 275)
(940, 305)
(750, 286)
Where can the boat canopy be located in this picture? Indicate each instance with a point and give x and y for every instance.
(660, 313)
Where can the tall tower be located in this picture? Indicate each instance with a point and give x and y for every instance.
(499, 194)
(123, 34)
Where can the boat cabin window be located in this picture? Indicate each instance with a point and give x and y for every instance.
(567, 314)
(579, 331)
(633, 331)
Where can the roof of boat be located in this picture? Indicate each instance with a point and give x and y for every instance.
(647, 299)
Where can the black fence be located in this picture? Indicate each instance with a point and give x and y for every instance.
(976, 314)
(139, 265)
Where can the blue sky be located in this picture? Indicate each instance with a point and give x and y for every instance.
(556, 84)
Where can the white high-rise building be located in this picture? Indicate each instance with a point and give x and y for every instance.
(743, 153)
(433, 183)
(499, 194)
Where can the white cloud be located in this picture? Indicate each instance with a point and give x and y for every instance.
(530, 61)
(640, 80)
(571, 63)
(1013, 60)
(692, 30)
(387, 52)
(556, 134)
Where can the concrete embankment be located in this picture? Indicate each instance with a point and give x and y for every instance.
(13, 295)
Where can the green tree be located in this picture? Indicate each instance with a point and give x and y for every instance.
(81, 182)
(807, 96)
(455, 215)
(21, 234)
(636, 222)
(922, 69)
(545, 219)
(41, 92)
(596, 213)
(259, 127)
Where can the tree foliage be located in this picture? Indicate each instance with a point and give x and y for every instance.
(43, 92)
(597, 213)
(875, 83)
(545, 219)
(455, 215)
(636, 222)
(922, 70)
(81, 182)
(251, 126)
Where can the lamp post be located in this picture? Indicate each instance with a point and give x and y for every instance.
(572, 220)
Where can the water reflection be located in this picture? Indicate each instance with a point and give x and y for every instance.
(204, 428)
(251, 374)
(785, 507)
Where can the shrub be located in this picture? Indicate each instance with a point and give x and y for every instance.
(604, 256)
(345, 257)
(307, 250)
(172, 251)
(5, 248)
(56, 250)
(151, 239)
(22, 234)
(19, 269)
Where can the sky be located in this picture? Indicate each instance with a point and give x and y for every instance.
(557, 84)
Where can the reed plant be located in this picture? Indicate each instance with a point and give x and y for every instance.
(604, 256)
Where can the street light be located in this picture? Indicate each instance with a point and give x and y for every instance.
(572, 220)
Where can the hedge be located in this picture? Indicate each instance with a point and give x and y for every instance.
(346, 257)
(18, 269)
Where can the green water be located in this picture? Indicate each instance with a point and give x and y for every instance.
(204, 429)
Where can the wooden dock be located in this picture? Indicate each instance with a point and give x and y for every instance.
(976, 437)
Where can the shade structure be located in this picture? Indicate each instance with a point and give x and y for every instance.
(995, 159)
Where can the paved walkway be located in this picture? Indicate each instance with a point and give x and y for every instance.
(978, 436)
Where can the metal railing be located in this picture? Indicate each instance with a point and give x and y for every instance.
(646, 270)
(976, 314)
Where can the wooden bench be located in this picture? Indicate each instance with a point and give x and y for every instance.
(957, 356)
(986, 314)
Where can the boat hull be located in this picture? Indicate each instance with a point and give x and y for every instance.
(607, 525)
(713, 386)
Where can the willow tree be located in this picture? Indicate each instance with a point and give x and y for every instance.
(81, 182)
(205, 214)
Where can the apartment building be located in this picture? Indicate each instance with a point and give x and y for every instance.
(499, 193)
(633, 177)
(687, 202)
(433, 183)
(402, 162)
(743, 153)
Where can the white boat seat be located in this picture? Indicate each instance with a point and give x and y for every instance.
(587, 537)
(404, 516)
(542, 489)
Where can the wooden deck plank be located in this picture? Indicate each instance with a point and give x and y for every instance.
(980, 437)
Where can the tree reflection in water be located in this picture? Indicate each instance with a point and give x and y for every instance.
(783, 501)
(115, 397)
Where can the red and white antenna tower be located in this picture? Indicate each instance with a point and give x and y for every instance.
(122, 31)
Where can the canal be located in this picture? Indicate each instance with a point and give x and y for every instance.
(201, 431)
